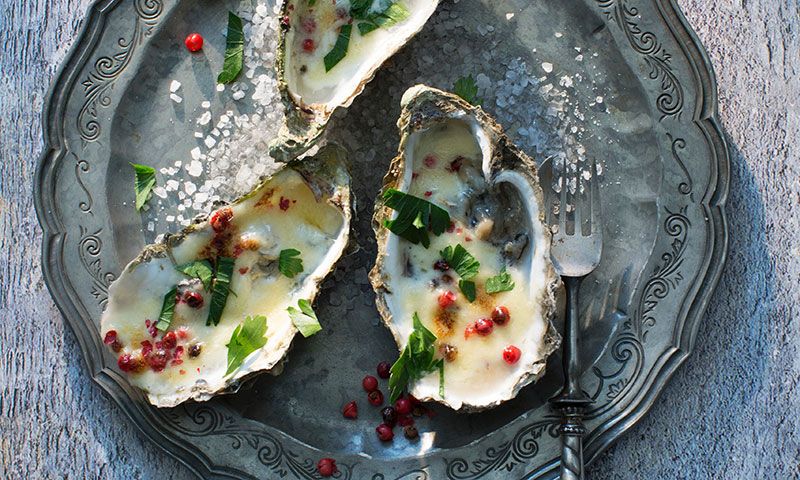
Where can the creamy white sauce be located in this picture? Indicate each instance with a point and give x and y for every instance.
(308, 225)
(316, 86)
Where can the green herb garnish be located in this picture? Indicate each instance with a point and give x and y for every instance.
(167, 310)
(311, 3)
(393, 14)
(220, 289)
(461, 261)
(246, 339)
(501, 282)
(339, 50)
(234, 50)
(414, 217)
(367, 22)
(467, 287)
(465, 266)
(145, 181)
(416, 361)
(304, 319)
(466, 88)
(288, 264)
(199, 269)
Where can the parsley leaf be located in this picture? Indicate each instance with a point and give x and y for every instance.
(416, 361)
(465, 266)
(467, 88)
(167, 310)
(360, 8)
(304, 319)
(468, 289)
(145, 181)
(413, 216)
(220, 289)
(461, 261)
(246, 339)
(311, 3)
(501, 282)
(287, 264)
(339, 50)
(393, 14)
(199, 269)
(234, 50)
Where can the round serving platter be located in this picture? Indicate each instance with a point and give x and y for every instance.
(621, 81)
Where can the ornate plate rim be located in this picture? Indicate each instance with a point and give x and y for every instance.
(713, 203)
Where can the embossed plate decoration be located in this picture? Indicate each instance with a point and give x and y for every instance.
(635, 91)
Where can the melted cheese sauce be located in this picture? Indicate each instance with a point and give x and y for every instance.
(478, 373)
(263, 228)
(305, 70)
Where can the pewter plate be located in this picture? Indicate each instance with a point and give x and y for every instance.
(624, 81)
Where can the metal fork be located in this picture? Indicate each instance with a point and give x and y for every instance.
(576, 249)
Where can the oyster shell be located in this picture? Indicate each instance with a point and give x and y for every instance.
(310, 92)
(304, 206)
(458, 158)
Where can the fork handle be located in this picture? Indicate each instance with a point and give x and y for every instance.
(572, 431)
(572, 401)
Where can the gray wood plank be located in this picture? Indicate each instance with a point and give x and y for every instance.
(730, 413)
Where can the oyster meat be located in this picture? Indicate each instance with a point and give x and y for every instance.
(302, 212)
(457, 158)
(329, 50)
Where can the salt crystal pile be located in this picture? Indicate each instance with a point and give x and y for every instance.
(232, 152)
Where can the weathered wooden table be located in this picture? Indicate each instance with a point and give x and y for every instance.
(732, 412)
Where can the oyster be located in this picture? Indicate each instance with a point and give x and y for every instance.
(329, 50)
(457, 158)
(302, 212)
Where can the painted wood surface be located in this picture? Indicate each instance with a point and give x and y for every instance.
(731, 412)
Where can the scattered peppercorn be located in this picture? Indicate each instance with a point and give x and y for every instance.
(375, 398)
(169, 341)
(221, 219)
(327, 467)
(157, 360)
(447, 299)
(484, 326)
(111, 337)
(441, 265)
(449, 352)
(193, 299)
(389, 415)
(403, 406)
(384, 369)
(195, 350)
(511, 354)
(350, 410)
(194, 42)
(500, 315)
(385, 433)
(129, 363)
(369, 383)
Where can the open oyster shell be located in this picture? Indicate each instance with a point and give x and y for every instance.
(455, 156)
(304, 206)
(310, 93)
